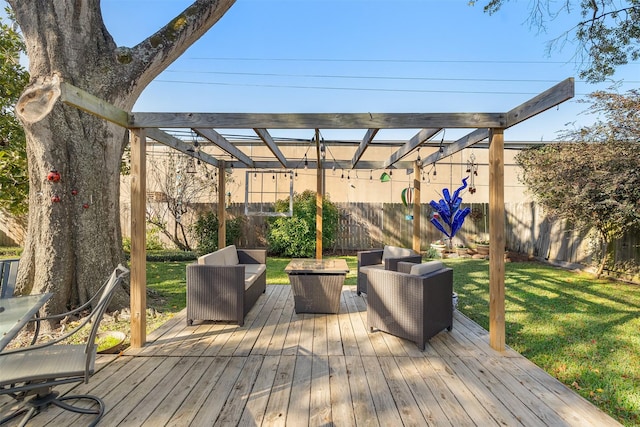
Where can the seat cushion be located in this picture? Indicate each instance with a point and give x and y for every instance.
(395, 252)
(426, 268)
(254, 268)
(366, 268)
(251, 273)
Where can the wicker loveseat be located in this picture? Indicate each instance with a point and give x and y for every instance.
(225, 284)
(382, 259)
(412, 303)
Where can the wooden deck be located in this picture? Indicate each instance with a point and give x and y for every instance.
(282, 368)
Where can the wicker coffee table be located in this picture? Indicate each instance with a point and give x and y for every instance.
(317, 284)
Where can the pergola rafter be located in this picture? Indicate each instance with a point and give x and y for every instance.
(489, 126)
(224, 145)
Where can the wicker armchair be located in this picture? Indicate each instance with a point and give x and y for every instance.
(413, 303)
(387, 259)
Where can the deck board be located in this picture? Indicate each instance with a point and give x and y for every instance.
(284, 368)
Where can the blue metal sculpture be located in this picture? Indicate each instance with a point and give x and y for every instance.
(447, 216)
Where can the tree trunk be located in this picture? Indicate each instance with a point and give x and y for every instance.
(73, 235)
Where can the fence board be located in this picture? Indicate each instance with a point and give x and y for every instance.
(529, 230)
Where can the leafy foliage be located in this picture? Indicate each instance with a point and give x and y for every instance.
(205, 230)
(590, 184)
(14, 182)
(595, 181)
(607, 32)
(296, 236)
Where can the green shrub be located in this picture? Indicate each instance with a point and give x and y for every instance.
(152, 240)
(173, 256)
(205, 229)
(296, 236)
(10, 251)
(167, 256)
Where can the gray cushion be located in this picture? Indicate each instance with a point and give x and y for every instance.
(395, 252)
(230, 255)
(426, 268)
(214, 258)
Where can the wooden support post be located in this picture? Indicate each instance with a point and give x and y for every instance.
(319, 197)
(416, 207)
(496, 240)
(222, 220)
(138, 276)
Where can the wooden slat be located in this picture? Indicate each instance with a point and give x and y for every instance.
(411, 145)
(368, 137)
(459, 145)
(317, 120)
(271, 145)
(306, 380)
(85, 101)
(224, 145)
(553, 96)
(162, 137)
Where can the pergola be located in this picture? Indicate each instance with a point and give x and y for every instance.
(491, 126)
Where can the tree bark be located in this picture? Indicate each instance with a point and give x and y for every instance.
(73, 235)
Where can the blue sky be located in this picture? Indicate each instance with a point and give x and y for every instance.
(362, 56)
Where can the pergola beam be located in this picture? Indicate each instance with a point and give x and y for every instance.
(368, 137)
(551, 97)
(407, 148)
(459, 145)
(271, 145)
(169, 140)
(319, 120)
(89, 103)
(224, 145)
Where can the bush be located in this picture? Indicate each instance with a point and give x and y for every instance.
(152, 240)
(10, 251)
(167, 256)
(205, 230)
(296, 236)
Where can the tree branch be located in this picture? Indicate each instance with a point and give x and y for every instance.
(154, 54)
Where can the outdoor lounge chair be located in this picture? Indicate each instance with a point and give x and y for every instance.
(412, 303)
(384, 259)
(35, 370)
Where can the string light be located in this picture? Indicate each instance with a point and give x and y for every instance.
(306, 162)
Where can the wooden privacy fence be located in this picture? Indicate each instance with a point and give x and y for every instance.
(528, 230)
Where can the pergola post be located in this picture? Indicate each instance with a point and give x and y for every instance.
(319, 197)
(416, 207)
(222, 220)
(496, 240)
(138, 301)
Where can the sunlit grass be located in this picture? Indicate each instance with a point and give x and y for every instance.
(581, 330)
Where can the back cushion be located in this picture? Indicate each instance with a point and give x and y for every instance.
(426, 268)
(395, 252)
(231, 255)
(214, 258)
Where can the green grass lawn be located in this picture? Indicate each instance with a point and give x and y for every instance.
(581, 330)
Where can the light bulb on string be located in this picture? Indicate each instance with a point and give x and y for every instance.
(306, 162)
